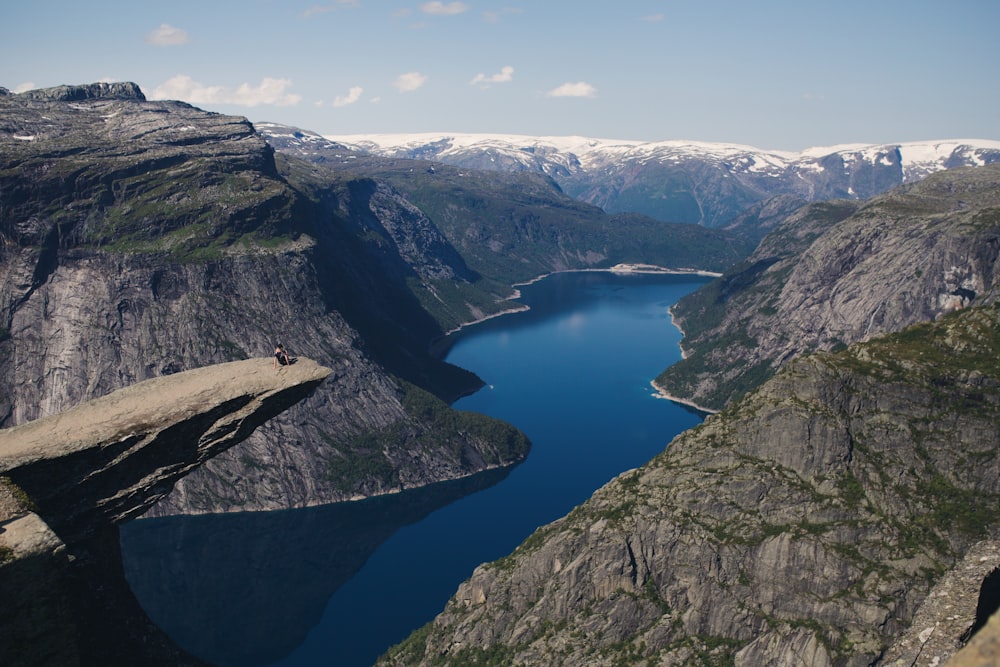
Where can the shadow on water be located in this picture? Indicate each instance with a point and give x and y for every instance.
(262, 580)
(338, 585)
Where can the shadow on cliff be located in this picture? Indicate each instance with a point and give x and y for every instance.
(262, 580)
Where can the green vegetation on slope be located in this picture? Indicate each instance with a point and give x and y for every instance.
(512, 227)
(432, 425)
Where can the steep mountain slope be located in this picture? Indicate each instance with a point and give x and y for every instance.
(694, 182)
(840, 272)
(143, 238)
(515, 226)
(802, 525)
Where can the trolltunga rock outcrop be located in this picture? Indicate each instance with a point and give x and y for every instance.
(69, 479)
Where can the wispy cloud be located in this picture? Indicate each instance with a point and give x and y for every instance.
(407, 83)
(577, 89)
(352, 96)
(325, 9)
(654, 18)
(167, 35)
(505, 75)
(444, 9)
(493, 16)
(24, 87)
(268, 91)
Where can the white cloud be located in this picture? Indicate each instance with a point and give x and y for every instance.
(353, 95)
(505, 75)
(653, 18)
(24, 87)
(442, 9)
(268, 91)
(578, 89)
(407, 83)
(167, 35)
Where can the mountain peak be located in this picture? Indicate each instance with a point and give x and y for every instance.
(89, 91)
(708, 183)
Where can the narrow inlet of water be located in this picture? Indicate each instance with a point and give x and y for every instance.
(340, 584)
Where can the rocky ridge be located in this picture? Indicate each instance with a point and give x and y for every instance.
(69, 479)
(839, 272)
(512, 227)
(710, 184)
(140, 239)
(805, 523)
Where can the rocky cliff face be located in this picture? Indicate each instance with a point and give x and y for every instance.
(143, 238)
(840, 272)
(69, 479)
(805, 524)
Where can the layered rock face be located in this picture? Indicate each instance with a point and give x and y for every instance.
(837, 273)
(69, 479)
(108, 460)
(804, 524)
(145, 238)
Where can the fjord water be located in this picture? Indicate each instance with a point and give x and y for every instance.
(338, 585)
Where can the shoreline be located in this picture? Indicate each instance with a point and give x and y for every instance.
(627, 269)
(680, 343)
(660, 393)
(623, 269)
(441, 345)
(499, 313)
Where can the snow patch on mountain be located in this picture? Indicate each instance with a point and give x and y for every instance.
(917, 158)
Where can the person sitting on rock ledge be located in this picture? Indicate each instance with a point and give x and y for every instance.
(281, 356)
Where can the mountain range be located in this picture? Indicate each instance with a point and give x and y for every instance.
(850, 345)
(711, 184)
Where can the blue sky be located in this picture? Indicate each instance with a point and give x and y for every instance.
(775, 74)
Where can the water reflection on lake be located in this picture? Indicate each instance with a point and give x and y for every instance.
(338, 585)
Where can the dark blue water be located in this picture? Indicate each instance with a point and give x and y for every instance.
(338, 585)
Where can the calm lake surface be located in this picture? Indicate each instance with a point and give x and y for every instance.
(338, 585)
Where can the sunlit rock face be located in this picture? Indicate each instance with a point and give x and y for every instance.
(805, 523)
(69, 479)
(141, 239)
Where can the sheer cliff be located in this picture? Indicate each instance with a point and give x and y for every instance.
(68, 480)
(804, 524)
(839, 272)
(143, 238)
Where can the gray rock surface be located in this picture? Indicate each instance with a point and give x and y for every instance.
(946, 615)
(111, 458)
(804, 524)
(837, 273)
(69, 479)
(141, 239)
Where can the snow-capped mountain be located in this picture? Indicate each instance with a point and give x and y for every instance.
(712, 184)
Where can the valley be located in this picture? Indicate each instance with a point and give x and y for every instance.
(849, 347)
